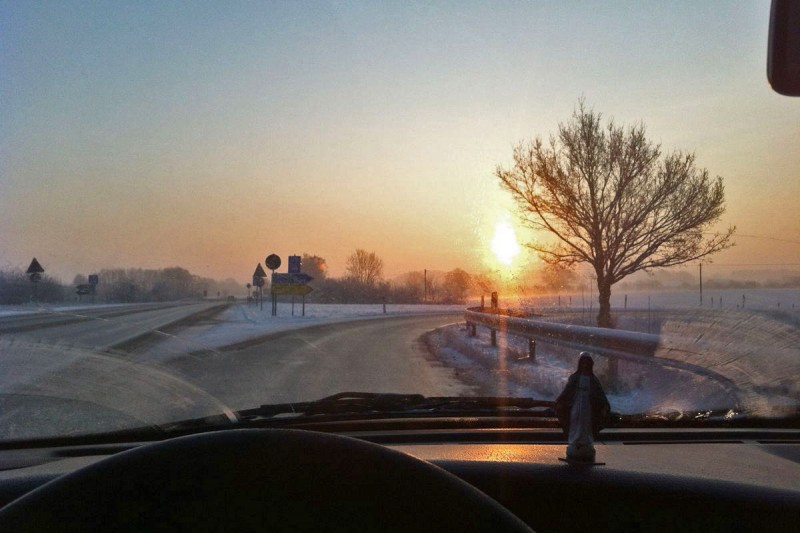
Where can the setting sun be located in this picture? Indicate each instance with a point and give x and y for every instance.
(504, 243)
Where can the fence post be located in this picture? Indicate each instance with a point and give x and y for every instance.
(532, 348)
(494, 337)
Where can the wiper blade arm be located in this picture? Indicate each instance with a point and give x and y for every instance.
(367, 402)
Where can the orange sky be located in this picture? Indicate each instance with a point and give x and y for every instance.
(150, 138)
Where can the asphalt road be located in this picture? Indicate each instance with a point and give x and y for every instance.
(381, 355)
(58, 380)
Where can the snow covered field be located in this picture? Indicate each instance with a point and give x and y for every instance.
(786, 300)
(504, 370)
(757, 349)
(13, 310)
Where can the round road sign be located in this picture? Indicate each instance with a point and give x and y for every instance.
(273, 262)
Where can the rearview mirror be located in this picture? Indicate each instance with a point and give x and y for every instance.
(783, 54)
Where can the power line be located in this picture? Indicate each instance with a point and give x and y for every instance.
(707, 264)
(757, 237)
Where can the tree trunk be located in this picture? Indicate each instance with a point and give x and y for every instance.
(604, 316)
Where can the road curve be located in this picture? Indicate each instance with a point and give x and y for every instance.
(383, 355)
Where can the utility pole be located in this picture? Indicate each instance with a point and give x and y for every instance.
(701, 283)
(425, 290)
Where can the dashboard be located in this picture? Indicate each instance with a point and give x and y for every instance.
(653, 480)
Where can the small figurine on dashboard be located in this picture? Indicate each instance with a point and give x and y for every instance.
(581, 408)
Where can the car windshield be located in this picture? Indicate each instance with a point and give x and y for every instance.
(210, 207)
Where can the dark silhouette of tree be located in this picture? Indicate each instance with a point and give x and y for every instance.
(411, 287)
(365, 268)
(456, 285)
(315, 266)
(612, 200)
(16, 288)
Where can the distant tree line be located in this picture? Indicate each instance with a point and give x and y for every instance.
(16, 288)
(157, 285)
(117, 285)
(364, 282)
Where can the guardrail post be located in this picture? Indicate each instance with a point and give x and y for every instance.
(532, 348)
(494, 337)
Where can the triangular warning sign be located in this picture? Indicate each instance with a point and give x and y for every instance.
(35, 267)
(259, 271)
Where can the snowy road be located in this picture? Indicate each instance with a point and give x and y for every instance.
(49, 386)
(98, 329)
(379, 355)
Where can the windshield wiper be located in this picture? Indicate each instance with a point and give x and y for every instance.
(732, 417)
(388, 404)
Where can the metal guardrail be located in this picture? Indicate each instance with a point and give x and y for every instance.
(599, 340)
(612, 343)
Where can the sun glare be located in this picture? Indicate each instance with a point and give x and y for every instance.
(504, 243)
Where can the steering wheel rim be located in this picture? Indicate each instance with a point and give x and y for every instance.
(257, 479)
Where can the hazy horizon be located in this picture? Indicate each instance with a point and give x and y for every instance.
(154, 134)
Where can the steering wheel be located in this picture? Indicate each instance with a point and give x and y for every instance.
(258, 479)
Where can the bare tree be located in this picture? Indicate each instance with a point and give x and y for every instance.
(456, 284)
(364, 267)
(611, 200)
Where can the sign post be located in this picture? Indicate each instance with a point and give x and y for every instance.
(258, 281)
(295, 263)
(293, 285)
(273, 262)
(34, 273)
(94, 280)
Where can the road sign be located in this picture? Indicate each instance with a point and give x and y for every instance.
(259, 272)
(84, 289)
(94, 279)
(291, 279)
(258, 281)
(35, 267)
(294, 264)
(273, 262)
(293, 289)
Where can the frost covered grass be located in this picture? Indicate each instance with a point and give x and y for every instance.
(754, 299)
(758, 350)
(13, 310)
(506, 370)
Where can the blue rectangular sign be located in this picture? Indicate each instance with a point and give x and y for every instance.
(291, 279)
(294, 264)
